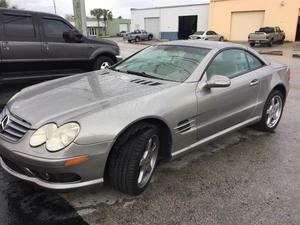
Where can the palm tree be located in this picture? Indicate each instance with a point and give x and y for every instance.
(98, 13)
(3, 4)
(107, 15)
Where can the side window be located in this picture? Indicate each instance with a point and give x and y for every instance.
(213, 33)
(55, 28)
(230, 63)
(209, 33)
(254, 62)
(20, 27)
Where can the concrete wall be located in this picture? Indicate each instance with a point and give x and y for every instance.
(114, 25)
(283, 13)
(169, 17)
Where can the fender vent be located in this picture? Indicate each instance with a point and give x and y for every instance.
(145, 82)
(183, 126)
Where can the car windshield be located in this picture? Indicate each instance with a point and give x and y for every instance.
(199, 33)
(166, 62)
(267, 30)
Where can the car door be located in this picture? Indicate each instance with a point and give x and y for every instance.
(60, 55)
(214, 36)
(20, 46)
(222, 108)
(209, 36)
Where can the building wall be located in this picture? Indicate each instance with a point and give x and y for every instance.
(169, 17)
(113, 26)
(282, 13)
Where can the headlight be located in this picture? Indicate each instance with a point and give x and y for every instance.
(55, 138)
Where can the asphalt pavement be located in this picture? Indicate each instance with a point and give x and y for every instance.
(245, 178)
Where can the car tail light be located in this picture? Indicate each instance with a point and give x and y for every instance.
(289, 74)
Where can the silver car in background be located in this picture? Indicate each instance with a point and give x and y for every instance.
(116, 124)
(208, 35)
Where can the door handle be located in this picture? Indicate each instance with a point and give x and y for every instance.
(5, 45)
(254, 82)
(46, 46)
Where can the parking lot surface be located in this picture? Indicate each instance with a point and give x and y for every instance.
(247, 177)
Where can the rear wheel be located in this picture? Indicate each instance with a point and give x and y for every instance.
(103, 62)
(221, 39)
(272, 112)
(270, 44)
(134, 158)
(150, 37)
(137, 39)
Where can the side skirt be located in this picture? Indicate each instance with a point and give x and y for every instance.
(214, 136)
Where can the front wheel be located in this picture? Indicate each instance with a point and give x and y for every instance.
(103, 62)
(272, 112)
(270, 44)
(134, 158)
(137, 39)
(252, 44)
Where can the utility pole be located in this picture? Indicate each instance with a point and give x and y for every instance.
(80, 15)
(54, 5)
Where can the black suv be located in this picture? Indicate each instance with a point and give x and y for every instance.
(38, 45)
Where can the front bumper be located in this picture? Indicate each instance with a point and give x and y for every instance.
(45, 184)
(263, 41)
(52, 173)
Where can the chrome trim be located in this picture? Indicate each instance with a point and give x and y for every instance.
(55, 186)
(216, 135)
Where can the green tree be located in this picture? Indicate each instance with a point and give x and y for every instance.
(107, 15)
(98, 13)
(3, 4)
(104, 14)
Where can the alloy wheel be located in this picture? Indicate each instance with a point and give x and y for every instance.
(148, 161)
(274, 111)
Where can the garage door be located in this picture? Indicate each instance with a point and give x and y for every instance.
(152, 26)
(243, 23)
(123, 27)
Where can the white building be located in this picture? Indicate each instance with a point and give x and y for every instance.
(171, 22)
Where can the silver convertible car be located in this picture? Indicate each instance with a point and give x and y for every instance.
(116, 124)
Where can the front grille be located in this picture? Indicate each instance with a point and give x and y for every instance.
(14, 129)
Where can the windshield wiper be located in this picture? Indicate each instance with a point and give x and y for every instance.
(142, 74)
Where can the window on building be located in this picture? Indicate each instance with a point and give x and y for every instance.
(16, 26)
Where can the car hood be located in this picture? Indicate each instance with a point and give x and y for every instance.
(66, 99)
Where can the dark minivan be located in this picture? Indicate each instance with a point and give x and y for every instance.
(38, 45)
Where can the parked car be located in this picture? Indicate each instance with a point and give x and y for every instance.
(138, 35)
(40, 45)
(267, 35)
(207, 35)
(116, 124)
(122, 33)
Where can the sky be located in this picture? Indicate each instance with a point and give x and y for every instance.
(118, 7)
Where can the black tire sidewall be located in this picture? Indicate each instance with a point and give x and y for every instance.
(100, 60)
(137, 39)
(123, 175)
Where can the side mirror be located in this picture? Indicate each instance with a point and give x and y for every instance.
(72, 36)
(217, 81)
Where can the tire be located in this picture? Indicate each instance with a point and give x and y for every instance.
(103, 62)
(270, 44)
(282, 40)
(150, 37)
(129, 157)
(221, 39)
(137, 39)
(129, 41)
(252, 44)
(263, 124)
